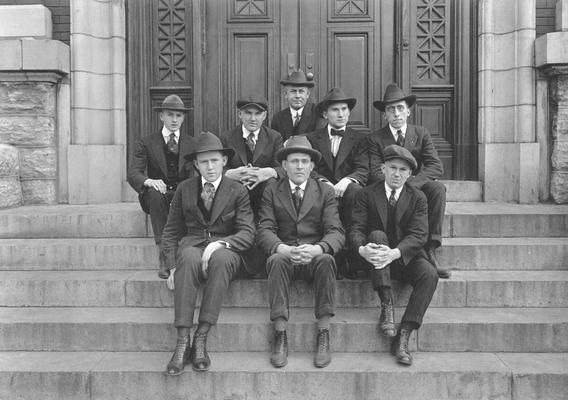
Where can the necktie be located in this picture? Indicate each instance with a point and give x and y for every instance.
(391, 223)
(208, 194)
(250, 141)
(399, 138)
(297, 119)
(297, 195)
(172, 144)
(337, 132)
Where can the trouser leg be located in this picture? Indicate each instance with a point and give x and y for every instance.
(423, 278)
(435, 192)
(158, 206)
(280, 273)
(187, 280)
(324, 270)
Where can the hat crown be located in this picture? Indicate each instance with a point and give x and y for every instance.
(298, 144)
(297, 78)
(173, 102)
(393, 93)
(253, 99)
(394, 151)
(207, 141)
(298, 141)
(335, 95)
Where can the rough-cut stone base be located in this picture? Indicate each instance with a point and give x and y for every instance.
(39, 191)
(10, 192)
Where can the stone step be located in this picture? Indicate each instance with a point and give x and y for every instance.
(463, 219)
(521, 253)
(144, 289)
(441, 376)
(249, 329)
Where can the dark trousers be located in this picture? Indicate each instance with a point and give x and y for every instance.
(419, 273)
(435, 192)
(281, 272)
(347, 258)
(224, 266)
(158, 206)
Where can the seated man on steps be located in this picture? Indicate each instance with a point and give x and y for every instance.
(300, 231)
(390, 229)
(209, 226)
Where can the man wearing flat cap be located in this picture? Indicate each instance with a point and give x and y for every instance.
(300, 116)
(255, 147)
(389, 231)
(158, 165)
(209, 227)
(416, 139)
(300, 231)
(345, 162)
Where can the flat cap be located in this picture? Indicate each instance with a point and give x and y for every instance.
(396, 152)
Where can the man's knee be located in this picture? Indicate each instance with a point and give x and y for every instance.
(434, 190)
(188, 255)
(378, 237)
(325, 264)
(276, 262)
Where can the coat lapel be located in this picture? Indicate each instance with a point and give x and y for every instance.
(410, 138)
(381, 204)
(311, 194)
(285, 196)
(194, 198)
(159, 154)
(324, 145)
(222, 197)
(185, 144)
(345, 147)
(306, 118)
(401, 205)
(287, 120)
(238, 144)
(261, 144)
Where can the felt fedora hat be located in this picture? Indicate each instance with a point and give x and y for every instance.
(207, 141)
(397, 152)
(254, 100)
(172, 102)
(297, 78)
(394, 94)
(335, 95)
(298, 144)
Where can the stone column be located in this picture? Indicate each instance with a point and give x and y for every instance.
(97, 153)
(551, 57)
(508, 148)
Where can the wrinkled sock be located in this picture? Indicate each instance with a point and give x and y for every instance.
(280, 324)
(324, 322)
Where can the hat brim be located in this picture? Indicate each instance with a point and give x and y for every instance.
(160, 108)
(323, 105)
(382, 105)
(260, 107)
(283, 153)
(309, 84)
(225, 151)
(410, 161)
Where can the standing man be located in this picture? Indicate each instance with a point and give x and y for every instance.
(345, 160)
(158, 165)
(300, 116)
(389, 231)
(255, 146)
(300, 231)
(209, 226)
(416, 139)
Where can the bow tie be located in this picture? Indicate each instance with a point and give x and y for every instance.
(336, 132)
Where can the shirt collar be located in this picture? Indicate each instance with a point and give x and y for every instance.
(329, 128)
(293, 186)
(215, 183)
(403, 129)
(293, 111)
(246, 133)
(388, 191)
(166, 134)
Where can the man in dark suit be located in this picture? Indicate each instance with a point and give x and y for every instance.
(157, 166)
(389, 230)
(300, 116)
(416, 139)
(209, 226)
(300, 231)
(345, 162)
(255, 146)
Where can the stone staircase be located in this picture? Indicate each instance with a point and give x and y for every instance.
(84, 316)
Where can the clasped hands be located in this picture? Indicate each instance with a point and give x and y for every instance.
(340, 187)
(379, 255)
(302, 254)
(251, 176)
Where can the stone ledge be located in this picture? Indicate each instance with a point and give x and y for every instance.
(551, 48)
(34, 55)
(29, 21)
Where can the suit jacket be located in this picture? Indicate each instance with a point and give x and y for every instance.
(370, 214)
(269, 142)
(231, 219)
(419, 142)
(352, 158)
(310, 121)
(149, 160)
(317, 221)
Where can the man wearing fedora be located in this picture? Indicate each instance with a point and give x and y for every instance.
(300, 231)
(345, 161)
(300, 116)
(416, 139)
(158, 165)
(255, 147)
(209, 226)
(389, 230)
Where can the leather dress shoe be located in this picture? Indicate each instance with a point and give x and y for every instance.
(399, 347)
(199, 358)
(180, 357)
(442, 272)
(279, 356)
(323, 354)
(386, 320)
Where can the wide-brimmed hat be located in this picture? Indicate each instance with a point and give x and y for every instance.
(207, 141)
(397, 152)
(297, 78)
(172, 102)
(335, 95)
(254, 100)
(394, 94)
(298, 144)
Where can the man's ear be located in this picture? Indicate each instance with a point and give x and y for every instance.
(225, 160)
